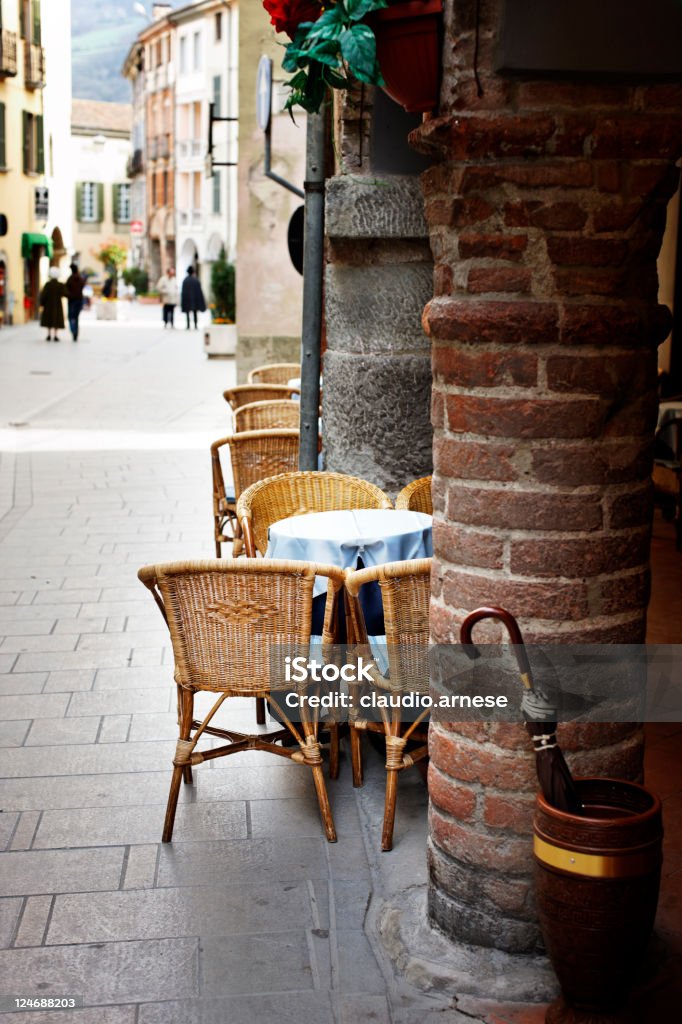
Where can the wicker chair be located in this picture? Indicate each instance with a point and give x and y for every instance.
(416, 496)
(255, 454)
(223, 619)
(405, 593)
(283, 413)
(245, 394)
(295, 494)
(274, 373)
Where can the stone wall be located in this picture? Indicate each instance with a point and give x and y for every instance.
(546, 207)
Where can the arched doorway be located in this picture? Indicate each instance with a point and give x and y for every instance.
(189, 257)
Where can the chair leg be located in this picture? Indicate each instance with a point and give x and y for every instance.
(323, 801)
(172, 805)
(185, 716)
(356, 755)
(334, 751)
(389, 809)
(260, 710)
(186, 703)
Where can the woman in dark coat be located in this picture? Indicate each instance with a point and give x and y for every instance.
(192, 297)
(51, 297)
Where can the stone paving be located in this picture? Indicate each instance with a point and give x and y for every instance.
(249, 914)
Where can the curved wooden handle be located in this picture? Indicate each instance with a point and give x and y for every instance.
(513, 629)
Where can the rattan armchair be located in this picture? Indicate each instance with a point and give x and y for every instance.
(226, 619)
(405, 593)
(245, 394)
(416, 496)
(283, 413)
(295, 494)
(255, 454)
(274, 373)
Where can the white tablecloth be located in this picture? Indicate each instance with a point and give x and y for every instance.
(341, 538)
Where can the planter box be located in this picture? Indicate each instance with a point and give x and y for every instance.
(220, 340)
(148, 300)
(106, 310)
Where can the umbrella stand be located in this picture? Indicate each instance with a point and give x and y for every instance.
(554, 776)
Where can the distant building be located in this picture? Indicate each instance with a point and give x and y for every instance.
(100, 146)
(134, 71)
(59, 223)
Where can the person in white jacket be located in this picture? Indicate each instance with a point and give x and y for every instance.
(167, 288)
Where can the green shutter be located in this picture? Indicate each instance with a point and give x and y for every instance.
(79, 201)
(26, 140)
(40, 145)
(100, 203)
(3, 149)
(216, 191)
(115, 200)
(217, 96)
(35, 18)
(22, 19)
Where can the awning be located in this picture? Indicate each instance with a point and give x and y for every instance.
(29, 239)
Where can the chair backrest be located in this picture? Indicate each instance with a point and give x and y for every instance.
(257, 454)
(245, 394)
(274, 373)
(295, 494)
(283, 413)
(416, 496)
(225, 615)
(405, 594)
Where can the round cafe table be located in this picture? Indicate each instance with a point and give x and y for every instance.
(352, 538)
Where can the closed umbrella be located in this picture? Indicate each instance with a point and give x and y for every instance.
(554, 776)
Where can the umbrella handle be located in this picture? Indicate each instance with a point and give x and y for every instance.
(512, 627)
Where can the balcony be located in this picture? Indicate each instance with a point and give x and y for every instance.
(162, 146)
(152, 149)
(135, 164)
(8, 53)
(34, 66)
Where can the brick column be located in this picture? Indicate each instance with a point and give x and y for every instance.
(546, 208)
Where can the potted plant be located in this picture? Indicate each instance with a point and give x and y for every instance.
(391, 43)
(113, 257)
(220, 339)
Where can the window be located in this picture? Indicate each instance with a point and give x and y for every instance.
(29, 21)
(217, 95)
(90, 202)
(154, 203)
(164, 201)
(216, 192)
(196, 51)
(3, 149)
(121, 204)
(32, 143)
(218, 27)
(183, 55)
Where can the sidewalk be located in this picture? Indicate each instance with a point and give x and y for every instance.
(249, 915)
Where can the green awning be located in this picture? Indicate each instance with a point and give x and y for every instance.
(29, 239)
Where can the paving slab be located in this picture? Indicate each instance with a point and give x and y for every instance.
(49, 871)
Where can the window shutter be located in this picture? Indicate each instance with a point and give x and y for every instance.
(115, 201)
(22, 18)
(3, 150)
(35, 5)
(26, 140)
(79, 201)
(99, 212)
(40, 145)
(216, 191)
(217, 96)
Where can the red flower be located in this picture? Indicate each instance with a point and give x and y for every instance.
(287, 15)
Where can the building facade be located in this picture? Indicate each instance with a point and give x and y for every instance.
(134, 71)
(100, 147)
(59, 222)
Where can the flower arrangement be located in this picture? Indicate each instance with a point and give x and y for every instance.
(331, 43)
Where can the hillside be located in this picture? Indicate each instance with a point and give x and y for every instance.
(101, 34)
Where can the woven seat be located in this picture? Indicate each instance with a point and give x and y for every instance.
(225, 619)
(405, 594)
(416, 496)
(255, 454)
(295, 494)
(283, 413)
(274, 373)
(246, 394)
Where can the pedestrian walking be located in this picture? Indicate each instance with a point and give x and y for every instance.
(51, 301)
(74, 295)
(167, 287)
(192, 297)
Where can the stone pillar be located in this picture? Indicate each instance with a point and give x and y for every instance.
(377, 363)
(546, 208)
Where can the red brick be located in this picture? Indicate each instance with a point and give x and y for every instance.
(615, 216)
(437, 410)
(443, 281)
(608, 176)
(468, 547)
(599, 324)
(442, 625)
(553, 600)
(574, 465)
(664, 96)
(511, 813)
(439, 211)
(509, 735)
(438, 492)
(523, 510)
(576, 736)
(514, 417)
(630, 629)
(572, 94)
(635, 418)
(654, 179)
(498, 279)
(456, 800)
(580, 556)
(620, 761)
(472, 847)
(573, 135)
(617, 595)
(470, 762)
(637, 136)
(631, 510)
(590, 282)
(471, 211)
(472, 137)
(470, 460)
(532, 174)
(480, 368)
(587, 252)
(602, 375)
(520, 322)
(478, 887)
(500, 247)
(548, 216)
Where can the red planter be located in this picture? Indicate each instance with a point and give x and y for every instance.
(409, 52)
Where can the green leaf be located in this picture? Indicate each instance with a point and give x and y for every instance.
(357, 9)
(335, 80)
(328, 25)
(359, 50)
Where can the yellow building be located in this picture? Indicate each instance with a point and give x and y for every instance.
(22, 160)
